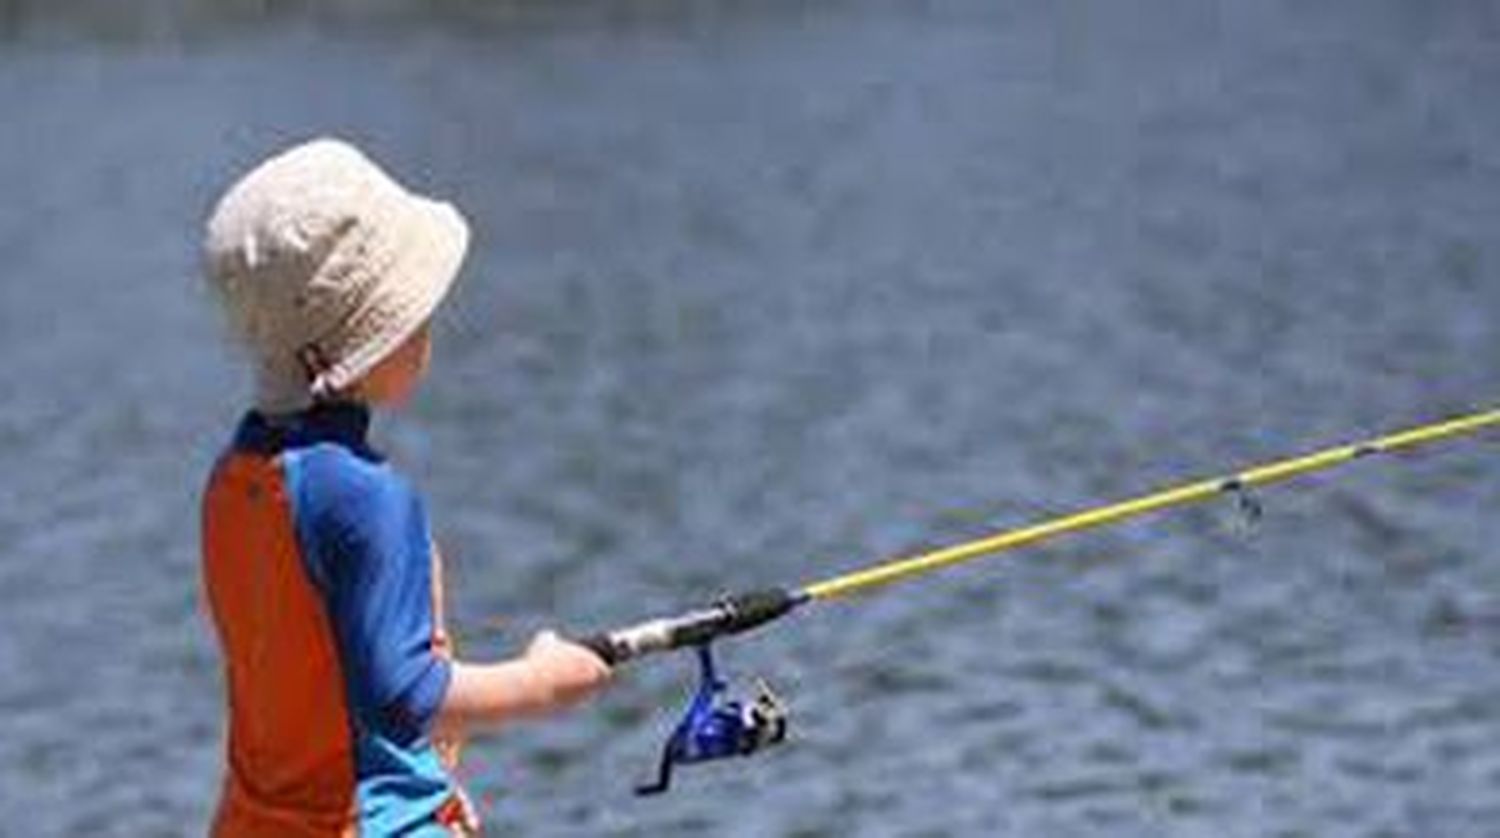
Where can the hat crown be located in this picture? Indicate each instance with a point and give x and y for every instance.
(284, 243)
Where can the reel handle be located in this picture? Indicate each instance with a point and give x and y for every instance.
(730, 615)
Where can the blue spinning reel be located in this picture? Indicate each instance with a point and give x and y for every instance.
(716, 727)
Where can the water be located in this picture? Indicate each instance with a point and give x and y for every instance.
(762, 292)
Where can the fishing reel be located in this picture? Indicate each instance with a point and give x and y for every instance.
(715, 726)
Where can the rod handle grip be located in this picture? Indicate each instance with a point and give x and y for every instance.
(600, 644)
(729, 615)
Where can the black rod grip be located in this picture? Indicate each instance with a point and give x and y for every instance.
(756, 608)
(730, 615)
(600, 645)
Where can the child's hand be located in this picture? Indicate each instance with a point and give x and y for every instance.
(570, 672)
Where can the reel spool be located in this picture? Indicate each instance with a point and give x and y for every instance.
(715, 726)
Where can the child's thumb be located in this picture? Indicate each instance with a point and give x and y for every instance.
(542, 639)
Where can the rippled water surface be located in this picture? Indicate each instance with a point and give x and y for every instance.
(762, 292)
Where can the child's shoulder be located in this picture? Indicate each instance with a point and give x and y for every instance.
(338, 484)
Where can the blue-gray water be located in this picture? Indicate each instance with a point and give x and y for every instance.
(764, 291)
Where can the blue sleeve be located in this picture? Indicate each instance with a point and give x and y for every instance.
(365, 542)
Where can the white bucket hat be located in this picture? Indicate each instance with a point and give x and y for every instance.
(325, 266)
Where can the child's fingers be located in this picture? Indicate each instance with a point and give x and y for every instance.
(578, 663)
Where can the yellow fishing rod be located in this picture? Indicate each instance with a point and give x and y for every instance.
(1189, 493)
(714, 729)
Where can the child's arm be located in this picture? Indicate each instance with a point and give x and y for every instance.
(552, 674)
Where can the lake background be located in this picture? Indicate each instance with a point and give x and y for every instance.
(762, 292)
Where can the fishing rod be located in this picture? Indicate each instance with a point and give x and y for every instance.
(716, 727)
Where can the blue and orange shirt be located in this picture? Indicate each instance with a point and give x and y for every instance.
(324, 587)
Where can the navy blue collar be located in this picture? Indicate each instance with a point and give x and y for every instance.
(344, 423)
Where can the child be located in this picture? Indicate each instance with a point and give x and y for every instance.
(318, 563)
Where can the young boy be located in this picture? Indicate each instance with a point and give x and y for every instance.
(318, 562)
